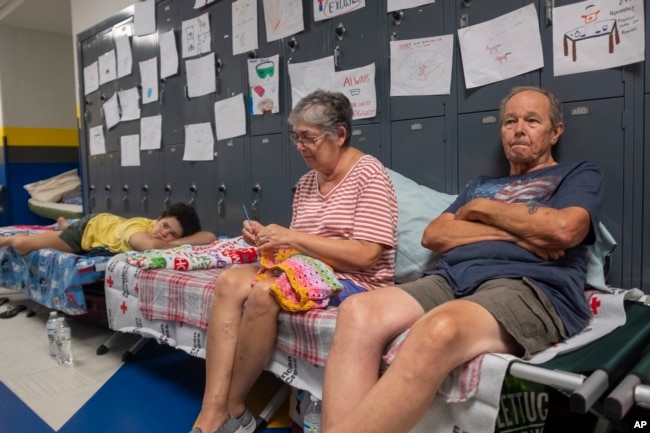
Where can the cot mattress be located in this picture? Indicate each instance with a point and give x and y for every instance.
(51, 278)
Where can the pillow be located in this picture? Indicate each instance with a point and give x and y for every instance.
(418, 205)
(53, 189)
(599, 258)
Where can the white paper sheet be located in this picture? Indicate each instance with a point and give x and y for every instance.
(308, 76)
(124, 56)
(421, 66)
(149, 80)
(324, 9)
(359, 86)
(144, 17)
(501, 48)
(130, 150)
(244, 26)
(111, 110)
(129, 107)
(150, 132)
(263, 78)
(283, 18)
(97, 145)
(201, 78)
(230, 117)
(394, 5)
(107, 67)
(168, 55)
(199, 142)
(195, 36)
(200, 3)
(91, 78)
(589, 36)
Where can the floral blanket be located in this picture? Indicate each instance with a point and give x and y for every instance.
(218, 254)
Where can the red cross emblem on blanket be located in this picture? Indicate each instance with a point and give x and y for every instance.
(110, 281)
(123, 307)
(594, 304)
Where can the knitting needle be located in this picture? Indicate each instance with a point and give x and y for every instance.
(250, 224)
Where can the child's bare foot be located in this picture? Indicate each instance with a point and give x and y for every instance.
(62, 223)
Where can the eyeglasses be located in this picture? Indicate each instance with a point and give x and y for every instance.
(304, 139)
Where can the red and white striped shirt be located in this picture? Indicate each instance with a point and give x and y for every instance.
(362, 206)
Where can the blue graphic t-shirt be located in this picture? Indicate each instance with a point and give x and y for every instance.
(560, 186)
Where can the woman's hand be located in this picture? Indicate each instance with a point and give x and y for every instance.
(273, 236)
(250, 231)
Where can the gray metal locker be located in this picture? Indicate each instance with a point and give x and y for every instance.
(268, 197)
(109, 191)
(488, 97)
(232, 186)
(421, 22)
(575, 87)
(228, 67)
(593, 132)
(419, 151)
(148, 193)
(171, 89)
(369, 139)
(201, 191)
(94, 183)
(176, 176)
(645, 263)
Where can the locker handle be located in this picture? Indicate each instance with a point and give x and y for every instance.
(91, 196)
(161, 98)
(145, 190)
(192, 194)
(467, 3)
(168, 190)
(337, 56)
(397, 17)
(221, 208)
(222, 188)
(339, 31)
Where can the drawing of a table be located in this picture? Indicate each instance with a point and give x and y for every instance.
(592, 30)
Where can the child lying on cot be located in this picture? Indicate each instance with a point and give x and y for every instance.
(178, 225)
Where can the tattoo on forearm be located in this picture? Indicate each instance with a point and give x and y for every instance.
(532, 208)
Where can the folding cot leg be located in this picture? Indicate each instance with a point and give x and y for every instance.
(271, 407)
(102, 349)
(129, 354)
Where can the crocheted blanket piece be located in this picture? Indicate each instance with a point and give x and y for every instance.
(218, 254)
(303, 283)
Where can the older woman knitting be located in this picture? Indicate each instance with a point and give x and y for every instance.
(344, 218)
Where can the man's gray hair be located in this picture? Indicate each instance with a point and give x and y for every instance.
(556, 105)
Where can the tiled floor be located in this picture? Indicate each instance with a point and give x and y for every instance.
(55, 392)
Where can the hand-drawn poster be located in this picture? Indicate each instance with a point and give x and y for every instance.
(244, 26)
(201, 3)
(501, 48)
(149, 80)
(589, 36)
(230, 117)
(150, 132)
(308, 76)
(359, 86)
(201, 78)
(282, 18)
(130, 150)
(395, 5)
(325, 9)
(97, 144)
(421, 66)
(91, 78)
(111, 110)
(195, 36)
(199, 142)
(129, 106)
(263, 76)
(168, 55)
(124, 56)
(107, 67)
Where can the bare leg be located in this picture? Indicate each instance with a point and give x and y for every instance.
(23, 243)
(444, 338)
(231, 291)
(257, 336)
(366, 323)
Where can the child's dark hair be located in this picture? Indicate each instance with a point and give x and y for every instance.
(186, 216)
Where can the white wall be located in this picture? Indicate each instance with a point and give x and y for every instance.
(36, 79)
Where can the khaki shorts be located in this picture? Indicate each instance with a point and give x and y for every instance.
(72, 234)
(518, 305)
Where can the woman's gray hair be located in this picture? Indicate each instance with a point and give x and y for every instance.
(556, 105)
(325, 110)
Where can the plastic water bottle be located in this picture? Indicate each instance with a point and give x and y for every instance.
(50, 327)
(311, 423)
(63, 339)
